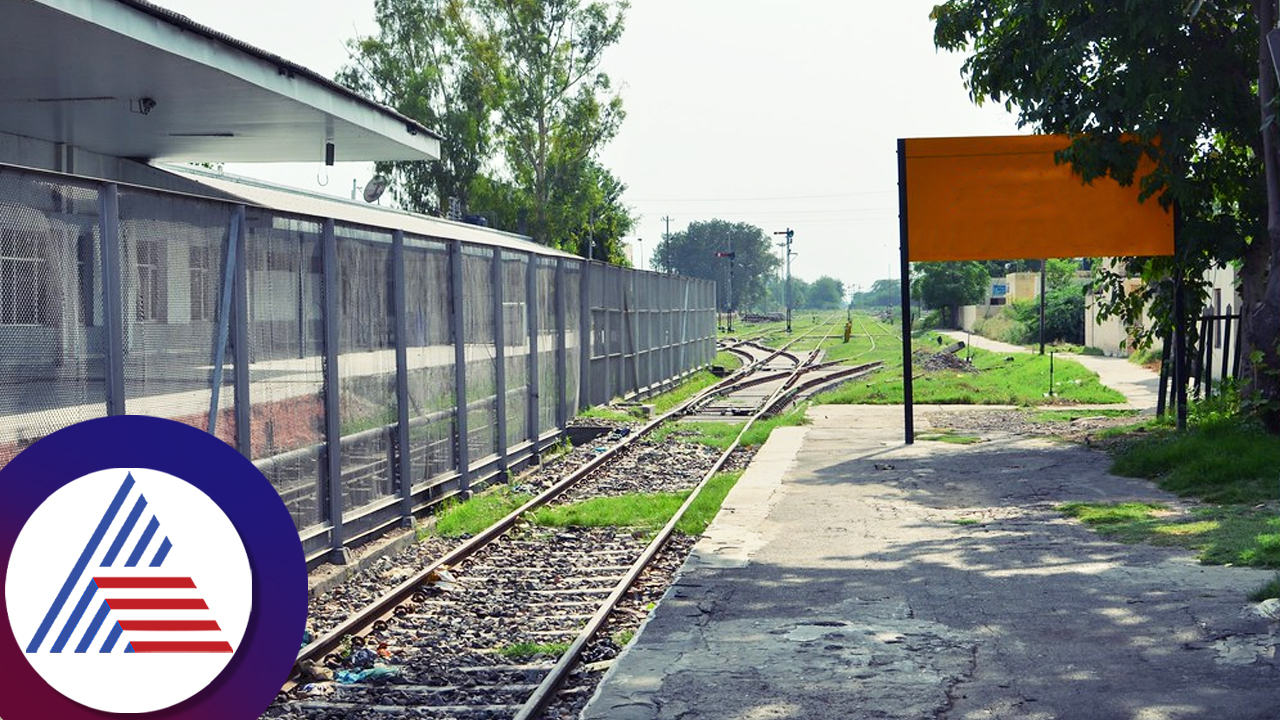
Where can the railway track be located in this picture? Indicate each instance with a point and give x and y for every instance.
(493, 627)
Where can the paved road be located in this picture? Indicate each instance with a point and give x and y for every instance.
(851, 577)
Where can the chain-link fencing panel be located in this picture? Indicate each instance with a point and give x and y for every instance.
(573, 337)
(481, 351)
(516, 350)
(547, 300)
(429, 354)
(52, 338)
(174, 273)
(285, 279)
(366, 366)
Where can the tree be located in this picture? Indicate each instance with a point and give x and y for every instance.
(693, 253)
(1179, 84)
(950, 284)
(558, 108)
(825, 293)
(425, 63)
(883, 293)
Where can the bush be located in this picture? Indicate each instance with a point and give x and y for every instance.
(1063, 316)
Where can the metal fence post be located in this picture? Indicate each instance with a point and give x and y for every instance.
(112, 301)
(533, 415)
(500, 354)
(460, 419)
(332, 408)
(240, 339)
(562, 344)
(403, 460)
(585, 339)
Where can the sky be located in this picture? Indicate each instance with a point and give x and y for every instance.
(778, 113)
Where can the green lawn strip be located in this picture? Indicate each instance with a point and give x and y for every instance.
(648, 511)
(728, 360)
(607, 413)
(1220, 535)
(471, 516)
(700, 381)
(1221, 461)
(1015, 379)
(720, 434)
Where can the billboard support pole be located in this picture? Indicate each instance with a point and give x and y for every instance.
(908, 399)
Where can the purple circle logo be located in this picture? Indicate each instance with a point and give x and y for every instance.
(149, 569)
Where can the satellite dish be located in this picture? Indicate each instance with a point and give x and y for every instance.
(377, 185)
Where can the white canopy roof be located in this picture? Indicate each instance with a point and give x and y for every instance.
(126, 78)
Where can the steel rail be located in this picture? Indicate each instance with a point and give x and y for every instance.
(383, 607)
(555, 677)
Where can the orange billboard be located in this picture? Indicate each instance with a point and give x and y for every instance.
(1004, 198)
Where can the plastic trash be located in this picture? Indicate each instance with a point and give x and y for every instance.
(378, 672)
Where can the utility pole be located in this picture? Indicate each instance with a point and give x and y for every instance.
(729, 297)
(666, 242)
(787, 290)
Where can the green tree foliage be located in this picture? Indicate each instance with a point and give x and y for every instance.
(558, 108)
(1182, 84)
(693, 253)
(424, 63)
(515, 88)
(825, 293)
(883, 293)
(949, 285)
(1063, 315)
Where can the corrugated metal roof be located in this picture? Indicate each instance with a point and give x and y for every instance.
(302, 202)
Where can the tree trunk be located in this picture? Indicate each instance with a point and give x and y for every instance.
(1262, 315)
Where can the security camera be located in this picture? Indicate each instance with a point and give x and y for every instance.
(146, 105)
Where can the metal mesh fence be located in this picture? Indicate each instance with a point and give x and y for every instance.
(51, 333)
(516, 351)
(366, 366)
(568, 333)
(478, 334)
(285, 282)
(173, 273)
(547, 299)
(430, 361)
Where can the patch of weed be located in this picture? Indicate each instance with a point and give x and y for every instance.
(468, 517)
(530, 650)
(1229, 534)
(1222, 461)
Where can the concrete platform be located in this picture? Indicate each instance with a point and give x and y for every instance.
(849, 576)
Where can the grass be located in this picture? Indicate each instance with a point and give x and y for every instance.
(468, 517)
(728, 361)
(646, 512)
(720, 435)
(642, 511)
(1270, 589)
(1017, 379)
(622, 638)
(1226, 535)
(604, 412)
(698, 382)
(1219, 461)
(530, 650)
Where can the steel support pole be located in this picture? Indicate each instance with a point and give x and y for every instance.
(112, 297)
(908, 396)
(461, 421)
(500, 353)
(562, 347)
(403, 457)
(1179, 350)
(339, 554)
(240, 339)
(1044, 289)
(532, 414)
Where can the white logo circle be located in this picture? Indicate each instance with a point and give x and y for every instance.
(129, 590)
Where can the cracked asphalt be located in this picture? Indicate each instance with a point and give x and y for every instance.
(849, 576)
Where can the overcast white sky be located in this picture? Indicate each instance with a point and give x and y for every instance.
(779, 113)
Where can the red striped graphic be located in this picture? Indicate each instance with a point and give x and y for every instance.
(170, 625)
(180, 647)
(147, 583)
(156, 604)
